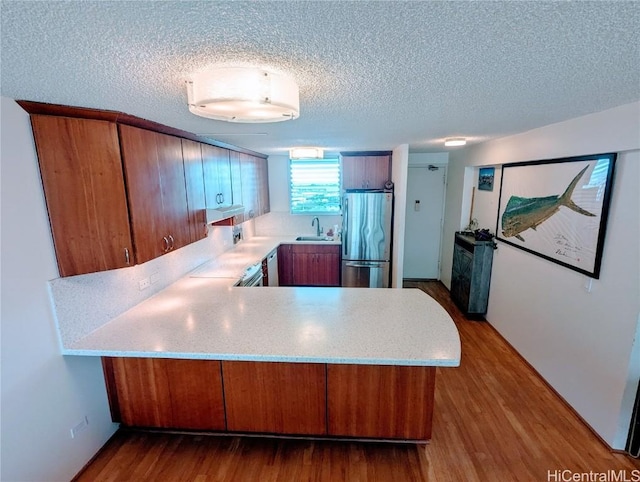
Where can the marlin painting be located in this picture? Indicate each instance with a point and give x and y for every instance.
(524, 213)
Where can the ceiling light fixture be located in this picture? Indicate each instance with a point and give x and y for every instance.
(306, 153)
(455, 141)
(243, 94)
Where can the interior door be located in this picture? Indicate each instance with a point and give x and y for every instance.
(423, 228)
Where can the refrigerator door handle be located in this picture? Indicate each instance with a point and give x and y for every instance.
(364, 265)
(345, 224)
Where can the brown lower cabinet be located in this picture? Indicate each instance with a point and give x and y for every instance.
(309, 265)
(165, 393)
(313, 399)
(375, 401)
(287, 398)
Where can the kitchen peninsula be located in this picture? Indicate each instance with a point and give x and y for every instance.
(301, 361)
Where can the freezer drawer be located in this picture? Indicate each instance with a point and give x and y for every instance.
(365, 274)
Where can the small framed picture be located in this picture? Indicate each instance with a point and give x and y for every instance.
(485, 178)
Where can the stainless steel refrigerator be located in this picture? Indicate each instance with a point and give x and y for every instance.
(366, 238)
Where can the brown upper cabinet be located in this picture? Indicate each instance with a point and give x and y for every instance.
(154, 173)
(249, 174)
(236, 177)
(264, 202)
(84, 190)
(194, 181)
(365, 170)
(217, 176)
(121, 190)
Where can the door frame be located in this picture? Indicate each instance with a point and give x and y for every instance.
(439, 165)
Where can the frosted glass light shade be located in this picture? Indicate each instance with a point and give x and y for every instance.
(241, 94)
(306, 153)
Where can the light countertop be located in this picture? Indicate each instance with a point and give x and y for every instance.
(233, 263)
(202, 316)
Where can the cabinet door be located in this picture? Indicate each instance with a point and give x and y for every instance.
(285, 265)
(284, 398)
(236, 177)
(377, 171)
(263, 186)
(365, 172)
(194, 181)
(315, 265)
(84, 189)
(328, 269)
(217, 176)
(304, 265)
(353, 172)
(249, 185)
(165, 393)
(156, 188)
(461, 277)
(390, 402)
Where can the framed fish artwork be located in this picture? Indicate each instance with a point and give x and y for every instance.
(557, 209)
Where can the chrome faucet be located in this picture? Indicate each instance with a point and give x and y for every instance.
(315, 221)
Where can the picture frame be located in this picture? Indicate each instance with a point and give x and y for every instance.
(557, 209)
(485, 178)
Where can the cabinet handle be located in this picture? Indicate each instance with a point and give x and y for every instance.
(221, 198)
(166, 243)
(171, 239)
(126, 255)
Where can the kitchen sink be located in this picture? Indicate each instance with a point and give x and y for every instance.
(314, 238)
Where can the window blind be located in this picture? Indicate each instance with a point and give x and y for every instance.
(314, 186)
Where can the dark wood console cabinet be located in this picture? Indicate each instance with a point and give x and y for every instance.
(471, 274)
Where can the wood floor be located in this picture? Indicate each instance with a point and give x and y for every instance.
(494, 420)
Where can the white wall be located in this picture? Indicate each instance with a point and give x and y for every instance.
(399, 173)
(43, 394)
(580, 342)
(426, 158)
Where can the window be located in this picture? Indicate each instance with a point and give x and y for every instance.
(314, 186)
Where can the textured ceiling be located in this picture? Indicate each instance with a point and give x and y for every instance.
(372, 75)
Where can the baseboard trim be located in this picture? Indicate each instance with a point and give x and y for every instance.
(95, 456)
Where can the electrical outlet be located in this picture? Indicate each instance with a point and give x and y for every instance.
(155, 277)
(80, 427)
(144, 283)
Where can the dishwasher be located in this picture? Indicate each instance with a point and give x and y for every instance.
(272, 268)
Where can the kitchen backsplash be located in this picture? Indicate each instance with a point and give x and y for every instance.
(83, 303)
(278, 223)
